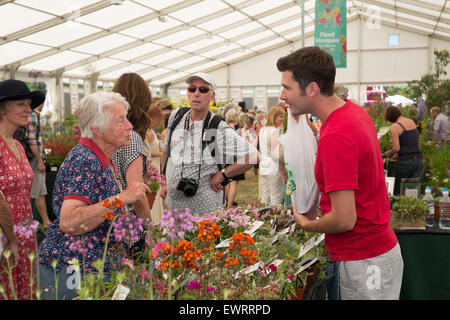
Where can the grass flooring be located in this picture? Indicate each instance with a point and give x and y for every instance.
(248, 188)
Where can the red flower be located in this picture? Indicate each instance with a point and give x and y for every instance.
(273, 267)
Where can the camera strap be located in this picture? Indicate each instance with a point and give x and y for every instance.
(203, 143)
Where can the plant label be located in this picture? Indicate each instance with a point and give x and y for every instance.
(306, 266)
(307, 246)
(320, 239)
(284, 231)
(225, 243)
(252, 268)
(254, 226)
(275, 239)
(121, 293)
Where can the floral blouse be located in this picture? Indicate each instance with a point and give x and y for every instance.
(85, 175)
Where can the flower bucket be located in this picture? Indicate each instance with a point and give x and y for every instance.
(151, 198)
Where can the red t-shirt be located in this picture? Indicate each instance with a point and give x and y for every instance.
(349, 158)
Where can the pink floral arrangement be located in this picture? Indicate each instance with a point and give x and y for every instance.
(26, 229)
(153, 178)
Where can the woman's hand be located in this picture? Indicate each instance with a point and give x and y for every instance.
(135, 191)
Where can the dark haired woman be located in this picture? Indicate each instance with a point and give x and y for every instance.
(405, 147)
(131, 161)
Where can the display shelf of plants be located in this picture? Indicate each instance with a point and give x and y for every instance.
(241, 253)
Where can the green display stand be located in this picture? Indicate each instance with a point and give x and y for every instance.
(426, 259)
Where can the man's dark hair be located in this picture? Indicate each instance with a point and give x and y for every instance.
(391, 114)
(310, 64)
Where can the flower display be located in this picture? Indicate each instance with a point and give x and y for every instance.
(128, 227)
(26, 229)
(153, 178)
(177, 223)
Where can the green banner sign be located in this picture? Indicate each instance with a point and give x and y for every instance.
(330, 31)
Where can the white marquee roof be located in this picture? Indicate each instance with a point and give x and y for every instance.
(164, 40)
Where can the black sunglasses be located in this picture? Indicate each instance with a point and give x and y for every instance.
(202, 89)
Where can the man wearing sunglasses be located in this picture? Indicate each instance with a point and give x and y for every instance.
(199, 158)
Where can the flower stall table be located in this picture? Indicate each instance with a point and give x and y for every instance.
(426, 264)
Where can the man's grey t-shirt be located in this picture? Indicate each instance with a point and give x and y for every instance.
(441, 126)
(185, 153)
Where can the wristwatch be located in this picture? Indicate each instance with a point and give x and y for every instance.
(226, 180)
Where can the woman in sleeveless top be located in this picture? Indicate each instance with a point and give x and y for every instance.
(405, 147)
(153, 148)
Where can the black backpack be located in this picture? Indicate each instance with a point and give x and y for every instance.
(21, 135)
(208, 124)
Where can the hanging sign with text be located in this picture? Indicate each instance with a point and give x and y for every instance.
(330, 32)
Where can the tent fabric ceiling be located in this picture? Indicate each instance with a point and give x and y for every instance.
(164, 40)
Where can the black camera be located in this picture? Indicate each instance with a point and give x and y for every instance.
(188, 186)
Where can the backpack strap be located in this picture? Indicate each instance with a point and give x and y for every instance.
(214, 124)
(176, 120)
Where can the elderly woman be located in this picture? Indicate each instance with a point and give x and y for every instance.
(405, 147)
(272, 184)
(16, 176)
(85, 182)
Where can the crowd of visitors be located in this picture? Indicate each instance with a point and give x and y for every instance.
(202, 156)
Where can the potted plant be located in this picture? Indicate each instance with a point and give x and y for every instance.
(154, 181)
(408, 212)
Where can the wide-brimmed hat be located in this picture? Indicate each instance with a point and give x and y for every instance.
(205, 77)
(11, 90)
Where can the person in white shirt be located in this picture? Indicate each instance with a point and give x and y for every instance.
(272, 183)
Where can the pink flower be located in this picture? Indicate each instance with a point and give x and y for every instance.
(143, 273)
(158, 247)
(127, 262)
(26, 229)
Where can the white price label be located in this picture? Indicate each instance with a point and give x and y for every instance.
(225, 243)
(254, 226)
(320, 239)
(121, 293)
(306, 266)
(307, 246)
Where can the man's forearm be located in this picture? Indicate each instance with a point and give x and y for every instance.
(34, 149)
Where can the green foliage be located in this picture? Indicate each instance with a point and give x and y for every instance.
(434, 86)
(409, 207)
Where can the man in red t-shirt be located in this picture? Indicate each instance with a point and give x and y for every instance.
(364, 259)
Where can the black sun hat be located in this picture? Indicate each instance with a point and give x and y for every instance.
(11, 90)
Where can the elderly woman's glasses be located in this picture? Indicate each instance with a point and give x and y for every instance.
(202, 89)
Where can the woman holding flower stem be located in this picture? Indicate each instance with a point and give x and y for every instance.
(85, 182)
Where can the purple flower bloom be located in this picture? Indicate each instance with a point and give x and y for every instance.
(127, 228)
(209, 289)
(176, 222)
(26, 229)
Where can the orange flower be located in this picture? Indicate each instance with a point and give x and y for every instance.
(208, 231)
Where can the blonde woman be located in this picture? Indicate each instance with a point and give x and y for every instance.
(272, 184)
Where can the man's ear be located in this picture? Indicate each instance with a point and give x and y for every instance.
(313, 89)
